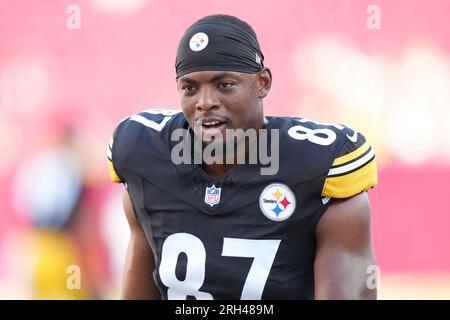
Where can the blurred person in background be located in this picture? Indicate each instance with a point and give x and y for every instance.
(62, 240)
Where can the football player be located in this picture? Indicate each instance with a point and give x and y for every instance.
(227, 229)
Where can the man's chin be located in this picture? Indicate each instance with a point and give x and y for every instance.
(208, 138)
(213, 141)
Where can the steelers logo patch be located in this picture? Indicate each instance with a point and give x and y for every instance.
(199, 41)
(277, 202)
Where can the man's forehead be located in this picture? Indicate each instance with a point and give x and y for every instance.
(210, 76)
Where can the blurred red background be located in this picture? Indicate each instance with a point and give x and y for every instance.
(391, 83)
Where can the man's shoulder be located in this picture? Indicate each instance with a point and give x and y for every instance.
(139, 135)
(315, 136)
(304, 137)
(150, 124)
(318, 149)
(151, 120)
(312, 127)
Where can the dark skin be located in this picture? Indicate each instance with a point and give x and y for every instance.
(344, 250)
(344, 244)
(234, 98)
(138, 280)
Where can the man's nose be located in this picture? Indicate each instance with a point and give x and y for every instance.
(207, 100)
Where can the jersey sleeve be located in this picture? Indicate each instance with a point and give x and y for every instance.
(136, 137)
(353, 170)
(112, 171)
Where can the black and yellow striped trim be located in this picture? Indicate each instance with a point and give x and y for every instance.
(352, 155)
(352, 173)
(112, 172)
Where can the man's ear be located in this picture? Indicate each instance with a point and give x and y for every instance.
(264, 82)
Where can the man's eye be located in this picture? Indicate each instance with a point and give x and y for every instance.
(226, 85)
(187, 87)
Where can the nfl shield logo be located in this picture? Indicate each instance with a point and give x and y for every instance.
(212, 195)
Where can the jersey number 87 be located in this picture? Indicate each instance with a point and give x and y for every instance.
(263, 253)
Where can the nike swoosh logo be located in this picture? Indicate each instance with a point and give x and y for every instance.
(354, 137)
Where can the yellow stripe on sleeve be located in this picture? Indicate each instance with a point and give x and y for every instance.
(112, 173)
(348, 185)
(352, 155)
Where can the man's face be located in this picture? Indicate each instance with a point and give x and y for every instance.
(214, 101)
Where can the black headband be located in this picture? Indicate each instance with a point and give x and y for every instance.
(218, 46)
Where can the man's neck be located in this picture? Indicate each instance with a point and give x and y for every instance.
(217, 170)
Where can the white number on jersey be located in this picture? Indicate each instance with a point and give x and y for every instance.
(263, 252)
(323, 137)
(168, 114)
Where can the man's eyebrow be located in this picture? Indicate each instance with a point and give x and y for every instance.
(187, 79)
(222, 75)
(216, 78)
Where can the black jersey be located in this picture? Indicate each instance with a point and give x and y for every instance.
(244, 235)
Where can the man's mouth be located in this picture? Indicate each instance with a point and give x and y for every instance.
(216, 124)
(210, 127)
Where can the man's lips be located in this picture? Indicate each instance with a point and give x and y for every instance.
(213, 130)
(211, 125)
(210, 122)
